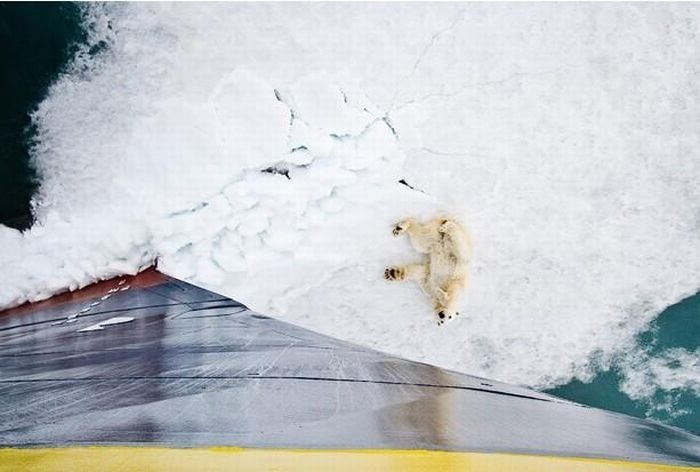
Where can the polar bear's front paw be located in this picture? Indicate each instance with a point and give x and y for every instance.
(394, 273)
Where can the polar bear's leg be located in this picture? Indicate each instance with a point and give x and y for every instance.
(461, 245)
(408, 272)
(422, 236)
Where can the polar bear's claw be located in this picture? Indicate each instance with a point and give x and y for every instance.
(394, 273)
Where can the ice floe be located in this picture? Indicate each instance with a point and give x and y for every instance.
(265, 150)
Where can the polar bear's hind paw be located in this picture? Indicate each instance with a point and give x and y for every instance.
(394, 273)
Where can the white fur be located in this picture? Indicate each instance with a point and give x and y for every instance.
(443, 274)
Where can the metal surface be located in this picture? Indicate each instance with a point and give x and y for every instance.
(197, 369)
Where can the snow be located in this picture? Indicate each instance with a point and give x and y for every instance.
(109, 322)
(257, 149)
(674, 369)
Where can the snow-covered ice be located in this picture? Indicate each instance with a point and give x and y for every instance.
(257, 149)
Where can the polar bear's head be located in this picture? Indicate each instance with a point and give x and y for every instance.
(443, 316)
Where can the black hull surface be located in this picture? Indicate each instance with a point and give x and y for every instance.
(194, 369)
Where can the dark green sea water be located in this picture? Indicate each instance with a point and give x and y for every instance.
(36, 42)
(677, 327)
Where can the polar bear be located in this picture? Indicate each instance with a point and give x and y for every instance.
(443, 275)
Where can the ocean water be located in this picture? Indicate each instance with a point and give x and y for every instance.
(37, 41)
(668, 365)
(257, 150)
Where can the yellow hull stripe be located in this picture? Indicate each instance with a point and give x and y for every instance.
(107, 458)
